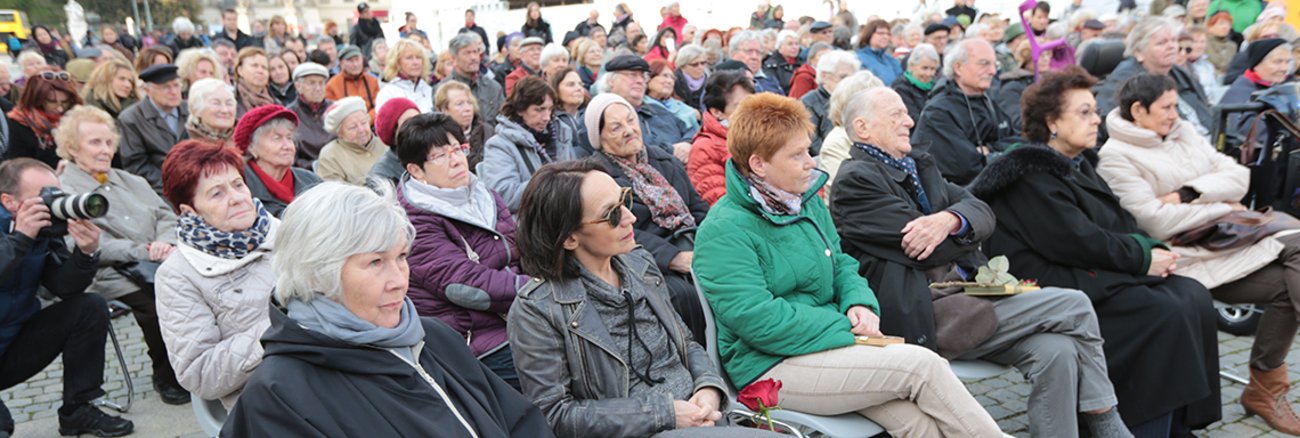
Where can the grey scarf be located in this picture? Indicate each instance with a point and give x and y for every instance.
(331, 319)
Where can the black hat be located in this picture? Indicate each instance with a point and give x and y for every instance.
(730, 65)
(1258, 50)
(819, 26)
(159, 73)
(936, 27)
(362, 7)
(1094, 24)
(627, 62)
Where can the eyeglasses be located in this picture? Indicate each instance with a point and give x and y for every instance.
(615, 215)
(441, 158)
(52, 75)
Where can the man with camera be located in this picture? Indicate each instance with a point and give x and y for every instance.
(33, 254)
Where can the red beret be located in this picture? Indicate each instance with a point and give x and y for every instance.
(254, 119)
(386, 119)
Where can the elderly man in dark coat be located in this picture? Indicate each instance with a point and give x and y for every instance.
(310, 136)
(151, 127)
(907, 227)
(960, 125)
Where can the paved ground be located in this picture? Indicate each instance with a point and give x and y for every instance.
(33, 403)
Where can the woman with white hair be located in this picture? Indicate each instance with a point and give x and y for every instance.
(355, 148)
(1152, 47)
(783, 61)
(185, 36)
(914, 85)
(835, 149)
(553, 58)
(832, 68)
(406, 75)
(212, 112)
(351, 357)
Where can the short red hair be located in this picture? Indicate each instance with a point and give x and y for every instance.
(762, 125)
(188, 162)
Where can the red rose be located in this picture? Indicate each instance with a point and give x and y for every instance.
(761, 395)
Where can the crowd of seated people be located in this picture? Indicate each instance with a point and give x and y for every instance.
(353, 236)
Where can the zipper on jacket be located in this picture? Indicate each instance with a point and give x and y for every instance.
(441, 393)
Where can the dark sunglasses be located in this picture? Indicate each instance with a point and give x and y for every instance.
(52, 75)
(615, 215)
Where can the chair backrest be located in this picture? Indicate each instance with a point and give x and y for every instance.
(210, 414)
(1101, 56)
(711, 333)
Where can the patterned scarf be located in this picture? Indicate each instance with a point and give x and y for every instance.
(196, 233)
(39, 121)
(199, 131)
(254, 98)
(667, 208)
(907, 165)
(773, 200)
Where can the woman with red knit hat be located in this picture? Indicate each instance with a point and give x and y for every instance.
(265, 136)
(388, 119)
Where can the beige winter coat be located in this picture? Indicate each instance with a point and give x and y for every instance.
(1140, 167)
(213, 312)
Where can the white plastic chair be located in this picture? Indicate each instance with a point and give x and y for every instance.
(210, 415)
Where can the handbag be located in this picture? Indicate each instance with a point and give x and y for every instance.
(1236, 230)
(141, 273)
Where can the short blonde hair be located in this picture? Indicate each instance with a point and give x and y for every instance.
(761, 126)
(189, 60)
(442, 97)
(395, 53)
(67, 137)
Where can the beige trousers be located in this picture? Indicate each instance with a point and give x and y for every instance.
(909, 390)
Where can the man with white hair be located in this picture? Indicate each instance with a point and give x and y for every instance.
(909, 228)
(960, 125)
(747, 47)
(466, 58)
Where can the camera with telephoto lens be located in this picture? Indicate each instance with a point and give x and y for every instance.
(64, 206)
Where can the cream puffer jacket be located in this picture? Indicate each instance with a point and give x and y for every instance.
(1140, 167)
(213, 312)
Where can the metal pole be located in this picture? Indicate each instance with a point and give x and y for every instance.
(135, 10)
(148, 16)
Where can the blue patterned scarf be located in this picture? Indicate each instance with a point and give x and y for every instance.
(906, 164)
(193, 231)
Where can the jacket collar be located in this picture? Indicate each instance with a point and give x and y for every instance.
(209, 265)
(1013, 166)
(1130, 133)
(738, 189)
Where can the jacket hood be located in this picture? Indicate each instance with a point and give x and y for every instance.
(288, 338)
(1017, 74)
(1027, 160)
(1130, 133)
(738, 190)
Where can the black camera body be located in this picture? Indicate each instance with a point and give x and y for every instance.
(64, 206)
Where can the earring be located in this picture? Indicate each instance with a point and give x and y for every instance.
(1053, 135)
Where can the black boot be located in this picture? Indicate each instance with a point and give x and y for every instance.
(6, 421)
(88, 419)
(171, 393)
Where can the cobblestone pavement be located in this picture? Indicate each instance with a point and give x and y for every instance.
(33, 403)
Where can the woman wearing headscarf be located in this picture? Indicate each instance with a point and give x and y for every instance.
(355, 148)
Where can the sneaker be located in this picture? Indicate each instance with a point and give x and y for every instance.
(171, 393)
(88, 419)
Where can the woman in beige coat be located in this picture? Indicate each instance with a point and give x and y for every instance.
(1172, 180)
(139, 230)
(213, 296)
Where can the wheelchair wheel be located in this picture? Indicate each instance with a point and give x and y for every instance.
(1240, 319)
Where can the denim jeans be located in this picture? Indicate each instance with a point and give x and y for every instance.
(503, 365)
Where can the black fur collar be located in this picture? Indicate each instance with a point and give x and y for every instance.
(1020, 162)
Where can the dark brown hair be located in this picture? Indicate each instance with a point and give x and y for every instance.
(144, 59)
(864, 38)
(1145, 89)
(1042, 101)
(529, 91)
(551, 211)
(558, 77)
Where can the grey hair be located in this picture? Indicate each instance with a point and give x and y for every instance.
(959, 52)
(222, 42)
(1141, 33)
(267, 127)
(975, 31)
(463, 40)
(786, 35)
(688, 54)
(817, 48)
(829, 62)
(325, 39)
(182, 25)
(29, 54)
(327, 224)
(922, 52)
(552, 50)
(861, 104)
(199, 92)
(849, 87)
(742, 37)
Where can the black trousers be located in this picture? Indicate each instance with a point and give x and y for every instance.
(144, 308)
(74, 327)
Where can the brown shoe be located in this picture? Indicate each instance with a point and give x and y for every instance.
(1266, 396)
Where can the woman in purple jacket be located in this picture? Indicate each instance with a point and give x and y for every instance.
(464, 265)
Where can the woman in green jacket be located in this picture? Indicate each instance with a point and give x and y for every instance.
(789, 303)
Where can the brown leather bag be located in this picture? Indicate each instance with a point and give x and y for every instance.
(1236, 230)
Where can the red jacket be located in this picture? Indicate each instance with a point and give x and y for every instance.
(514, 76)
(707, 165)
(803, 81)
(677, 22)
